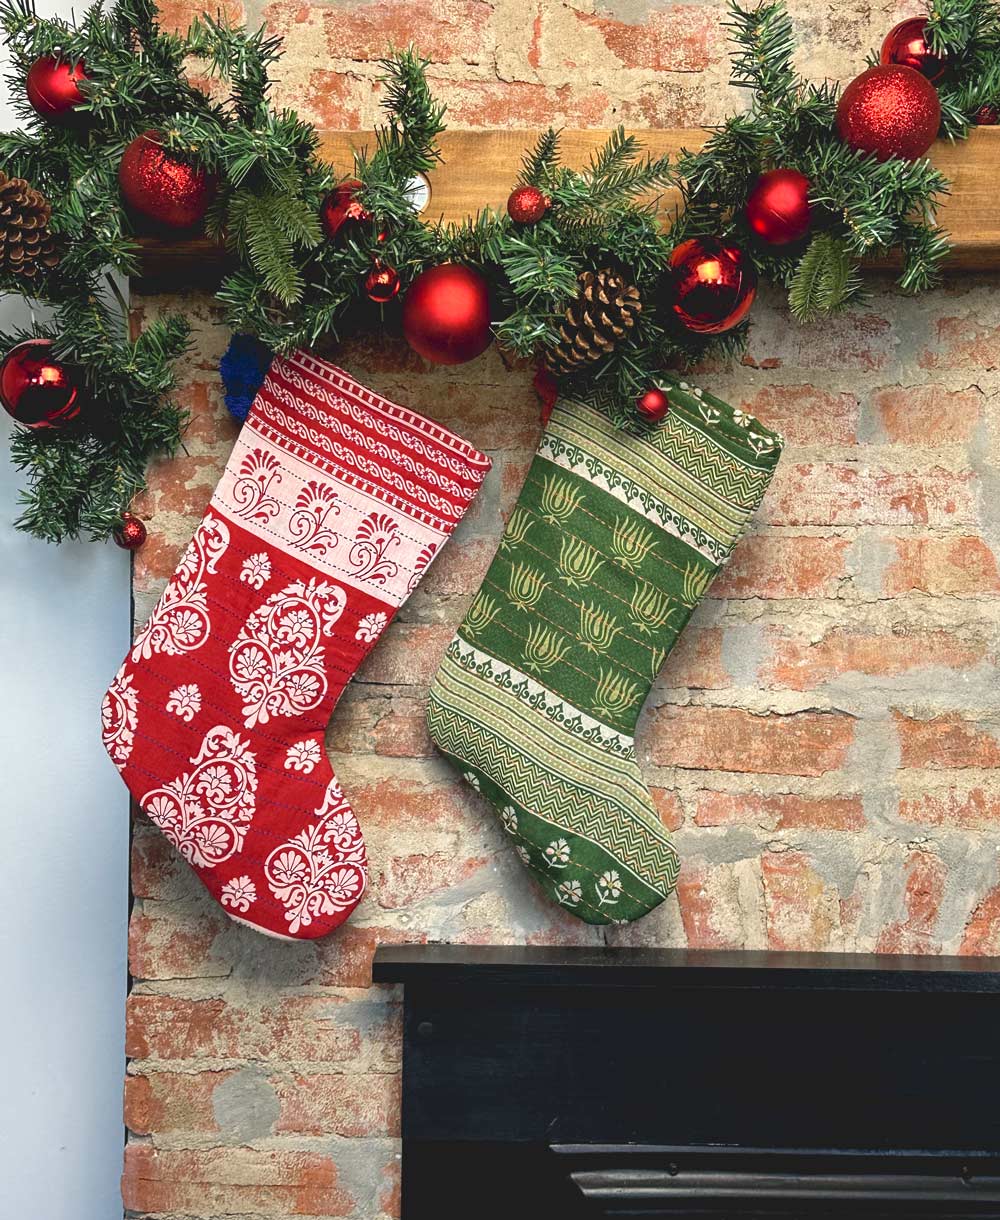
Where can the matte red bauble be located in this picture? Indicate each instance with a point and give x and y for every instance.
(986, 116)
(526, 205)
(446, 314)
(130, 533)
(653, 405)
(889, 111)
(905, 44)
(712, 285)
(35, 389)
(160, 188)
(342, 207)
(52, 87)
(382, 283)
(778, 207)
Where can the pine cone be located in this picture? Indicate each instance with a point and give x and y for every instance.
(26, 245)
(599, 317)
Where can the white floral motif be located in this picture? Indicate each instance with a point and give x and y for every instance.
(206, 813)
(258, 470)
(570, 893)
(240, 894)
(609, 887)
(276, 661)
(307, 524)
(421, 566)
(557, 853)
(522, 852)
(303, 756)
(371, 626)
(472, 778)
(508, 815)
(322, 870)
(256, 570)
(185, 701)
(180, 622)
(119, 717)
(367, 556)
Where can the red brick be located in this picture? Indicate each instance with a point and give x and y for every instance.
(982, 931)
(928, 414)
(345, 959)
(963, 809)
(802, 910)
(405, 880)
(684, 38)
(926, 875)
(785, 811)
(172, 1101)
(855, 340)
(805, 415)
(961, 343)
(818, 493)
(709, 908)
(386, 798)
(176, 942)
(408, 655)
(231, 1181)
(157, 870)
(802, 665)
(355, 1106)
(729, 739)
(474, 103)
(946, 742)
(776, 566)
(696, 662)
(668, 807)
(942, 566)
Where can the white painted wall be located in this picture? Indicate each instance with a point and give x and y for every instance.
(64, 624)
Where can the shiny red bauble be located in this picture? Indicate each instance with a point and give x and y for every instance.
(653, 405)
(711, 285)
(36, 389)
(987, 116)
(446, 314)
(889, 111)
(905, 44)
(160, 189)
(342, 207)
(526, 205)
(382, 283)
(130, 533)
(778, 208)
(53, 89)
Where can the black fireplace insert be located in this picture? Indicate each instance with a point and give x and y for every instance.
(579, 1083)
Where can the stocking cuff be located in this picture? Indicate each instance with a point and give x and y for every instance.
(363, 489)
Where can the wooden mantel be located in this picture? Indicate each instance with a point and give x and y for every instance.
(479, 167)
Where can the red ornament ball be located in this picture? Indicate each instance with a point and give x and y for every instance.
(342, 207)
(446, 314)
(37, 390)
(889, 111)
(52, 86)
(161, 189)
(526, 205)
(712, 285)
(653, 405)
(382, 283)
(778, 208)
(130, 533)
(905, 44)
(986, 116)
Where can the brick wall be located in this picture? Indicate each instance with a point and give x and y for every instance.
(825, 742)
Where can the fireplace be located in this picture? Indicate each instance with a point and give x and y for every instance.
(587, 1083)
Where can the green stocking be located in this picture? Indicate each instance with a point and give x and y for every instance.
(618, 531)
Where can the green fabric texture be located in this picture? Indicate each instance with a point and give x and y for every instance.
(618, 531)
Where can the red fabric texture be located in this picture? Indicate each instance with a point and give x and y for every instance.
(333, 504)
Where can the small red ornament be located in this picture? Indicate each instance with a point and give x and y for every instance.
(889, 111)
(905, 44)
(160, 188)
(35, 389)
(130, 533)
(382, 283)
(446, 314)
(986, 116)
(778, 206)
(342, 207)
(526, 205)
(712, 285)
(547, 389)
(653, 405)
(53, 89)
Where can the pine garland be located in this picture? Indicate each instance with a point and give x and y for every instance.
(291, 286)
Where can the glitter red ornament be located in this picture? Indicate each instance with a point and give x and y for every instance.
(711, 285)
(160, 189)
(653, 405)
(130, 533)
(905, 44)
(446, 314)
(889, 111)
(526, 205)
(382, 283)
(36, 389)
(53, 89)
(342, 207)
(986, 116)
(778, 208)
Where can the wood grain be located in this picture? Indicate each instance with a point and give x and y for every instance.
(478, 168)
